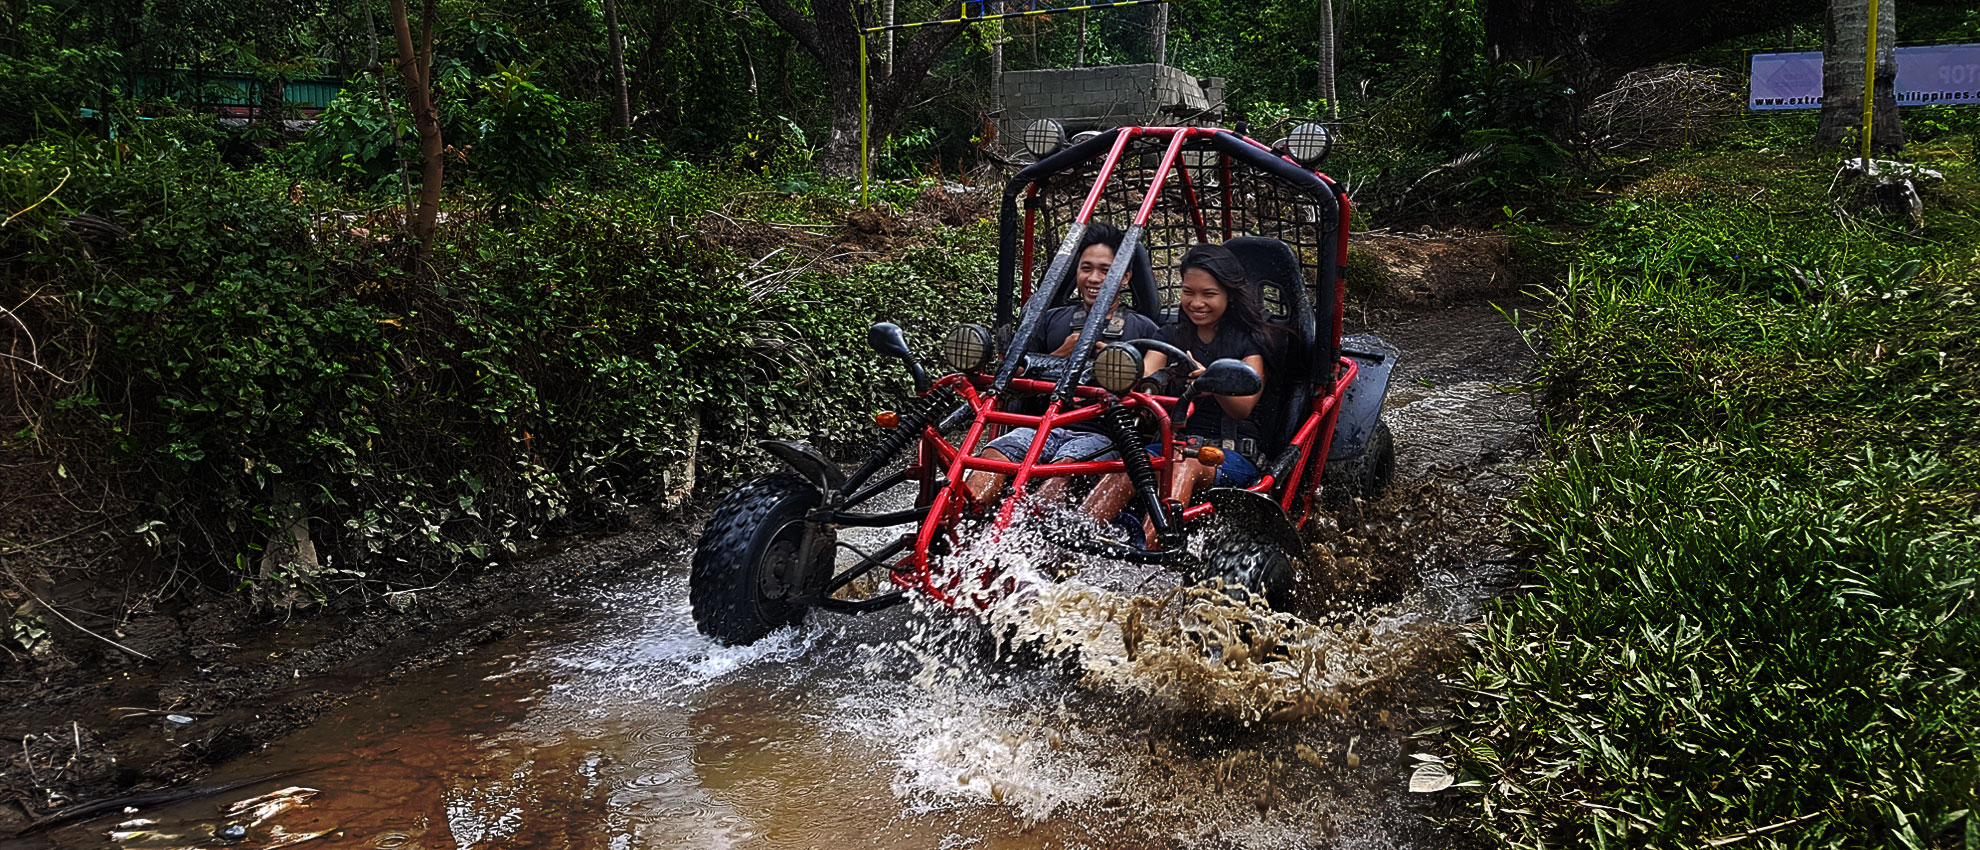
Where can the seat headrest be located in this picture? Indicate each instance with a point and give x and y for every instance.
(1274, 272)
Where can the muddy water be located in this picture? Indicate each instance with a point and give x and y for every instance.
(1137, 717)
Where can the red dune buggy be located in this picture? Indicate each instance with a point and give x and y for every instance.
(770, 551)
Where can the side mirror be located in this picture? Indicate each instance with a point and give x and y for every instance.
(1228, 377)
(888, 338)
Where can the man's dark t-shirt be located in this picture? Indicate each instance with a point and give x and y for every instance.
(1062, 322)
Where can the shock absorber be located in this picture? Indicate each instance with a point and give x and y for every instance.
(1122, 425)
(903, 435)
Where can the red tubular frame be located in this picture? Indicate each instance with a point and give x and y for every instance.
(948, 504)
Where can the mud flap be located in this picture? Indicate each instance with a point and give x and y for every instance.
(1361, 403)
(807, 462)
(1248, 542)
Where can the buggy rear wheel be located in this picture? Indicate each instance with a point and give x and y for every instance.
(745, 570)
(1364, 476)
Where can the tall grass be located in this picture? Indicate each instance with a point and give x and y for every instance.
(1756, 534)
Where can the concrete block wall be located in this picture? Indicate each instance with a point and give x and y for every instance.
(1101, 97)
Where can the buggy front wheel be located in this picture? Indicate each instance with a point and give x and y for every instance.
(745, 573)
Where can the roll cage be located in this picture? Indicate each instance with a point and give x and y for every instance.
(1176, 187)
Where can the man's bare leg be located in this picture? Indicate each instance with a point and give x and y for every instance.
(981, 484)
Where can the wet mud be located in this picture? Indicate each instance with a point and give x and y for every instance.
(1113, 708)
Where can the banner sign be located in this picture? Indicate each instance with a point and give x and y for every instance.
(1944, 73)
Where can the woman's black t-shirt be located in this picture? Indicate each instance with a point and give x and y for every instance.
(1208, 420)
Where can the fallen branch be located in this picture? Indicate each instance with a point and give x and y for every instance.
(151, 798)
(78, 626)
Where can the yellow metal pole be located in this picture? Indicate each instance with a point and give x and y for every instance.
(1869, 85)
(862, 118)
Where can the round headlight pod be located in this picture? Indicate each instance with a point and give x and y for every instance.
(1044, 136)
(1083, 136)
(1309, 143)
(967, 348)
(1117, 368)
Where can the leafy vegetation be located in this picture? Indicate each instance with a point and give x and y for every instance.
(1755, 534)
(255, 352)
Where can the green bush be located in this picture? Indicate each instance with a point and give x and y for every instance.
(355, 140)
(1726, 642)
(255, 354)
(525, 137)
(1754, 535)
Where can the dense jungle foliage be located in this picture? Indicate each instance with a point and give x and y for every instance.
(1750, 617)
(1756, 530)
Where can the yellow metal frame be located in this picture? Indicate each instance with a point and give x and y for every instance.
(1869, 86)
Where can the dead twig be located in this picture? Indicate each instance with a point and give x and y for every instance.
(30, 207)
(1730, 838)
(28, 759)
(78, 626)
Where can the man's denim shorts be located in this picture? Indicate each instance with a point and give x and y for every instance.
(1060, 444)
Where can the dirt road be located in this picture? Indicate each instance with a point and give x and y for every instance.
(595, 715)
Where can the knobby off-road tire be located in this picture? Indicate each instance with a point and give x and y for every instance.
(738, 584)
(1244, 567)
(1365, 476)
(1249, 545)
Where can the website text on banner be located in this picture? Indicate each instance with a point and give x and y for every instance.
(1941, 73)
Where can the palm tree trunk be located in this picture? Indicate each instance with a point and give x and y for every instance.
(1327, 52)
(1846, 39)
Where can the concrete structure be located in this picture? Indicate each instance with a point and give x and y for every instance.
(1107, 96)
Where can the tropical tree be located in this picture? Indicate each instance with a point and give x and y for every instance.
(1598, 42)
(831, 35)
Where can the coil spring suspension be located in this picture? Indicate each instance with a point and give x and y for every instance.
(903, 435)
(1122, 425)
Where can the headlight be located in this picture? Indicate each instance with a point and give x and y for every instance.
(1309, 143)
(1117, 368)
(1044, 136)
(967, 348)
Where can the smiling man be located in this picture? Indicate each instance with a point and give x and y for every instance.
(1058, 334)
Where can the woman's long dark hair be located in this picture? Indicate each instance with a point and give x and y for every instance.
(1241, 311)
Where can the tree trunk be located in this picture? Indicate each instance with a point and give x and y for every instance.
(830, 34)
(1327, 46)
(997, 65)
(1160, 34)
(621, 95)
(1846, 37)
(416, 66)
(1081, 61)
(887, 66)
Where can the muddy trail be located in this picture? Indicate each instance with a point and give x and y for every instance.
(589, 713)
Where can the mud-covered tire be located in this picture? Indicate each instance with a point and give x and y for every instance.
(1363, 476)
(1244, 569)
(741, 546)
(1248, 545)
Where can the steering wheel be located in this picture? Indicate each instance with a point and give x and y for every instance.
(1180, 365)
